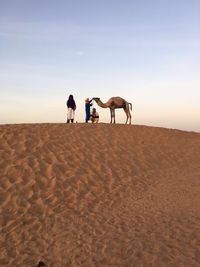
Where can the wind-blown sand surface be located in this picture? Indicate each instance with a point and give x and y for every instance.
(99, 195)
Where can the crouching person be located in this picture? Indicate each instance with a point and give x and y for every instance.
(94, 116)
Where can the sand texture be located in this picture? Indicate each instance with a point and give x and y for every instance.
(99, 195)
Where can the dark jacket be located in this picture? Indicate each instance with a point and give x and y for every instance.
(87, 107)
(87, 110)
(71, 103)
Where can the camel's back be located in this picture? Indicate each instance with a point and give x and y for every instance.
(117, 101)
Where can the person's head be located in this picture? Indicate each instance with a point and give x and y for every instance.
(94, 110)
(87, 100)
(71, 97)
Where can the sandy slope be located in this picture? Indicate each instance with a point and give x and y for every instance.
(99, 195)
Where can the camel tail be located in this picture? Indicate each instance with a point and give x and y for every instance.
(130, 105)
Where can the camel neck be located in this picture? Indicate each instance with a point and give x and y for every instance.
(101, 104)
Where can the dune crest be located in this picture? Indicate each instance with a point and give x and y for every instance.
(99, 195)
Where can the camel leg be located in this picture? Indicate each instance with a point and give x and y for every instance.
(129, 117)
(111, 115)
(114, 115)
(127, 114)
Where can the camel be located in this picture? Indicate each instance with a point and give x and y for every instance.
(112, 104)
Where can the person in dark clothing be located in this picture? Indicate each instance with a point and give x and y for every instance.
(71, 105)
(88, 104)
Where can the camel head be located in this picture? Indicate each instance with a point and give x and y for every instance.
(96, 98)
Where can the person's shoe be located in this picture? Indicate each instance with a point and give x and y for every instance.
(72, 120)
(67, 121)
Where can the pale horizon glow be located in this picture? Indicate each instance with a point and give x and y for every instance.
(147, 52)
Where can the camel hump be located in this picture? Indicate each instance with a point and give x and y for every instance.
(117, 99)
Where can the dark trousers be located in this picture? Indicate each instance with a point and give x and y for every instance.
(87, 116)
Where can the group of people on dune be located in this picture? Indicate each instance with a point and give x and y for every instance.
(71, 106)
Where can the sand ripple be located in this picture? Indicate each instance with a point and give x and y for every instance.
(99, 195)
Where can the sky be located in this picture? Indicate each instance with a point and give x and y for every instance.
(147, 52)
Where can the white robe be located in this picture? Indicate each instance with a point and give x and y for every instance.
(70, 114)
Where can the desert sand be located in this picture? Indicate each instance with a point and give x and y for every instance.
(99, 195)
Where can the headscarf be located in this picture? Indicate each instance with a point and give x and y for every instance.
(71, 103)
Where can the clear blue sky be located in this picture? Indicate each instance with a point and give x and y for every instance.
(145, 51)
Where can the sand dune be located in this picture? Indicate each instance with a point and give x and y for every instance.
(99, 195)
